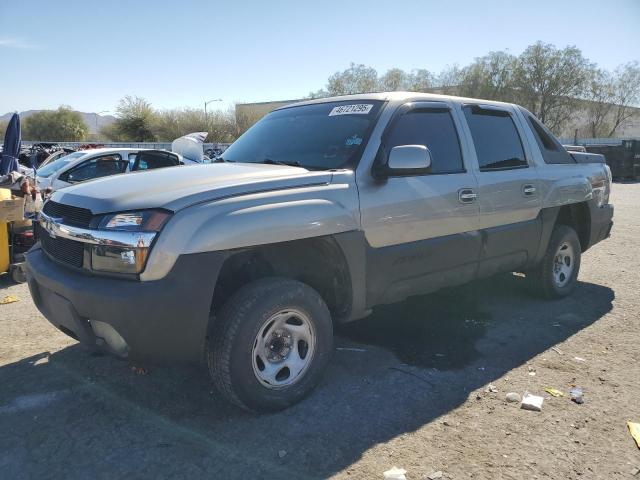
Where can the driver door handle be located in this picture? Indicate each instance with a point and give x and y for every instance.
(467, 195)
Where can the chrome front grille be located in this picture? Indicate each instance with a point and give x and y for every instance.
(64, 250)
(67, 214)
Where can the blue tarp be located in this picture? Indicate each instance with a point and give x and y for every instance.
(11, 148)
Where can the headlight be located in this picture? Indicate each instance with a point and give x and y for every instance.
(138, 228)
(144, 220)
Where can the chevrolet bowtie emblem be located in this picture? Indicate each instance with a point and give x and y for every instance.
(50, 223)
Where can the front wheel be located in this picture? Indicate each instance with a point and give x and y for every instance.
(557, 273)
(270, 344)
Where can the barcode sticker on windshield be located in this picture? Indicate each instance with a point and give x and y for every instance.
(357, 109)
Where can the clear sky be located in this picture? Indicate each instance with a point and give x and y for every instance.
(88, 54)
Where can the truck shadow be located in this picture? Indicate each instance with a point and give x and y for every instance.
(392, 373)
(6, 281)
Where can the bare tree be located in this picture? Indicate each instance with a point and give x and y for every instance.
(449, 79)
(600, 97)
(626, 94)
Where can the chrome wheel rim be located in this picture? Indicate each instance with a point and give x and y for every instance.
(283, 349)
(563, 264)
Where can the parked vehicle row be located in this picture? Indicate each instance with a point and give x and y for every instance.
(86, 165)
(321, 211)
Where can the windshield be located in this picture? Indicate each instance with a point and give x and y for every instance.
(56, 165)
(321, 136)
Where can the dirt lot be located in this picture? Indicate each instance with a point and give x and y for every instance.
(407, 387)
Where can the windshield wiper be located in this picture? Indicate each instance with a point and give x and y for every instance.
(269, 161)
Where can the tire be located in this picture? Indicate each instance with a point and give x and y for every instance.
(18, 274)
(557, 274)
(278, 324)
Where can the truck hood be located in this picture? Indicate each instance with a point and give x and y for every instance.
(175, 188)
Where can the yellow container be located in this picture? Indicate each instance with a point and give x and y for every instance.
(5, 194)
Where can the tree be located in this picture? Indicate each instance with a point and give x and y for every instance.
(355, 79)
(420, 80)
(61, 125)
(3, 129)
(171, 124)
(600, 97)
(549, 81)
(394, 80)
(626, 94)
(489, 77)
(135, 120)
(449, 79)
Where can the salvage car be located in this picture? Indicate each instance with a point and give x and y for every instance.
(95, 163)
(319, 212)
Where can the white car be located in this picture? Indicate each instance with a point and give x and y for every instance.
(102, 162)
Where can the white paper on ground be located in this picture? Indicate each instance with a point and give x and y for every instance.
(532, 402)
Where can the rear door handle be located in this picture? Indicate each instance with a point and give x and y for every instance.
(467, 195)
(528, 190)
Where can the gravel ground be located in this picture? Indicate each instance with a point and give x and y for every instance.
(408, 387)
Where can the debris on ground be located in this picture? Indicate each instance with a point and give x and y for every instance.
(635, 472)
(576, 395)
(634, 430)
(579, 359)
(554, 392)
(532, 371)
(557, 350)
(395, 474)
(491, 389)
(282, 453)
(513, 397)
(9, 299)
(435, 475)
(139, 370)
(532, 402)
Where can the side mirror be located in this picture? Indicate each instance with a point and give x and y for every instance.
(409, 160)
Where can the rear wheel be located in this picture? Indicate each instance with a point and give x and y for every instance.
(270, 345)
(557, 273)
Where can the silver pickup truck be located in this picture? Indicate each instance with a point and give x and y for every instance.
(321, 211)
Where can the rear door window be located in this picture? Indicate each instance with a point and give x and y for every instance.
(552, 151)
(496, 139)
(433, 128)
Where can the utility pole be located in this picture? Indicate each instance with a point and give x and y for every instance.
(205, 107)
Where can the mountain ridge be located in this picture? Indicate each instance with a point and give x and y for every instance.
(88, 117)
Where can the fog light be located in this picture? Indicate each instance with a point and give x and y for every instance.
(118, 259)
(111, 337)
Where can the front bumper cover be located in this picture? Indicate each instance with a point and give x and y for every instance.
(162, 321)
